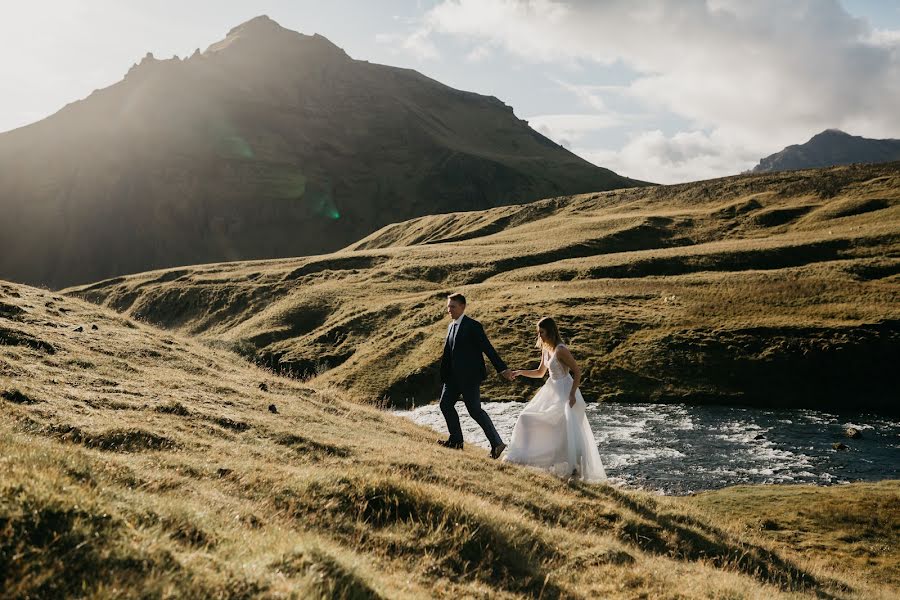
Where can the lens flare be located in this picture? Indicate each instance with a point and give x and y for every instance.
(321, 201)
(235, 146)
(229, 142)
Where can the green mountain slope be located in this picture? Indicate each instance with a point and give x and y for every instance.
(268, 144)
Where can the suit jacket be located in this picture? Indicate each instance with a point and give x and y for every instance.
(464, 363)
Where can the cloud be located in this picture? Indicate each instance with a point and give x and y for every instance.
(478, 54)
(567, 130)
(886, 38)
(418, 43)
(684, 156)
(587, 94)
(759, 75)
(388, 38)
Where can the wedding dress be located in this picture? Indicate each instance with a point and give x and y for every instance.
(554, 436)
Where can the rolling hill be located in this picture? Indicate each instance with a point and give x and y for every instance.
(137, 462)
(268, 144)
(771, 289)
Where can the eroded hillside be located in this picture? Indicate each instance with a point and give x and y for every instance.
(778, 289)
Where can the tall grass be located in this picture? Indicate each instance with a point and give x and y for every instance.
(328, 497)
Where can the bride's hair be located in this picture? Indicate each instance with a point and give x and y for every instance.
(553, 337)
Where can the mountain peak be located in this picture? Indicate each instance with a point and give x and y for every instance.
(831, 133)
(263, 36)
(829, 148)
(260, 25)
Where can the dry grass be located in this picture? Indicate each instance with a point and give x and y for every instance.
(844, 531)
(137, 462)
(779, 289)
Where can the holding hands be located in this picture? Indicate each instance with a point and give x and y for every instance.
(511, 375)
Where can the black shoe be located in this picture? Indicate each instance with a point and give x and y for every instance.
(452, 444)
(497, 450)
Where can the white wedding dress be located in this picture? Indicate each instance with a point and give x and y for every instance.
(554, 436)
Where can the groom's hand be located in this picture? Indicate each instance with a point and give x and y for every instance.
(508, 375)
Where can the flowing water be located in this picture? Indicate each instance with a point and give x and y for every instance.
(679, 449)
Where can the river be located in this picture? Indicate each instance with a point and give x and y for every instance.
(680, 449)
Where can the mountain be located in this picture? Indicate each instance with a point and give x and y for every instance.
(268, 144)
(773, 289)
(141, 463)
(830, 148)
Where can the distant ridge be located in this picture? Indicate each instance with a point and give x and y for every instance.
(268, 144)
(830, 148)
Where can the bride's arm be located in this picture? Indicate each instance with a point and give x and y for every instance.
(566, 358)
(534, 373)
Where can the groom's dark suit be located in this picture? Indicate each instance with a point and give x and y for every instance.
(462, 371)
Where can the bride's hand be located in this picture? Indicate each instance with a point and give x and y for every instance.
(516, 373)
(571, 399)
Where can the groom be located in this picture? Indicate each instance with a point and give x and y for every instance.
(463, 370)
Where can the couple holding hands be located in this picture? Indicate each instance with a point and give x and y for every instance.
(552, 431)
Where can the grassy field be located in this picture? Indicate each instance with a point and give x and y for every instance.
(138, 462)
(778, 289)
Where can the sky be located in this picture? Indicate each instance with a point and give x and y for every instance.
(660, 90)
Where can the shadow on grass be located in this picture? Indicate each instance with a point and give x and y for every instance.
(113, 440)
(462, 542)
(13, 337)
(685, 538)
(50, 550)
(311, 448)
(333, 579)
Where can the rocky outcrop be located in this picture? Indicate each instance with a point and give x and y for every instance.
(812, 367)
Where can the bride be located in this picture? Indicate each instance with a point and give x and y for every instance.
(552, 431)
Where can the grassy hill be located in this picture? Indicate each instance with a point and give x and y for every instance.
(139, 462)
(775, 289)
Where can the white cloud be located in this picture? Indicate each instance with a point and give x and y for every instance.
(685, 156)
(387, 38)
(758, 75)
(570, 129)
(587, 94)
(478, 54)
(885, 38)
(418, 43)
